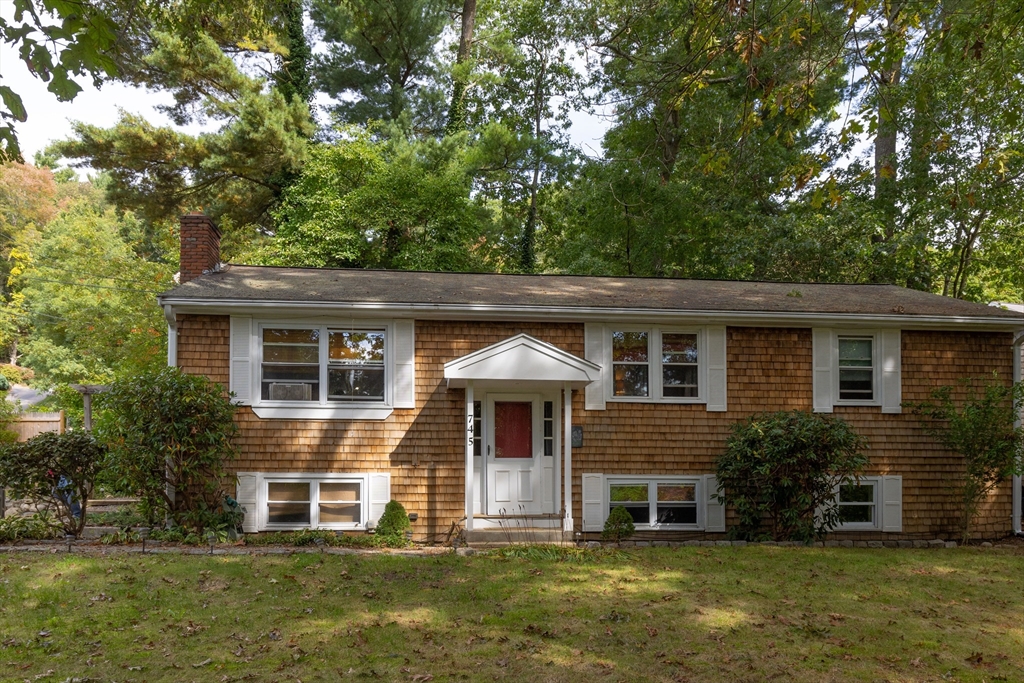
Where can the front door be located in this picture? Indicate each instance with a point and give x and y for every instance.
(515, 446)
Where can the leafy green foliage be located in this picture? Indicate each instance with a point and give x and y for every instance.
(39, 527)
(780, 472)
(308, 537)
(377, 204)
(234, 173)
(59, 469)
(170, 435)
(977, 423)
(393, 524)
(619, 525)
(381, 60)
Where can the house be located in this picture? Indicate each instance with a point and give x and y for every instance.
(541, 401)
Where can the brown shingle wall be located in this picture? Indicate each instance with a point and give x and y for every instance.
(768, 369)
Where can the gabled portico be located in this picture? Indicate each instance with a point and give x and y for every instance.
(517, 384)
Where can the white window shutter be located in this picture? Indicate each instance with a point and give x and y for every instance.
(405, 364)
(593, 502)
(716, 362)
(241, 360)
(378, 496)
(247, 497)
(714, 519)
(892, 503)
(594, 341)
(822, 367)
(890, 356)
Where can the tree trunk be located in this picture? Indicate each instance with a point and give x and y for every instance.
(887, 79)
(457, 109)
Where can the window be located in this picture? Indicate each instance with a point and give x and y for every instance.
(679, 365)
(858, 504)
(856, 369)
(314, 503)
(478, 427)
(297, 362)
(549, 428)
(630, 363)
(656, 503)
(291, 365)
(657, 365)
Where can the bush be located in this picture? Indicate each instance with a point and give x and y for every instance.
(15, 374)
(170, 430)
(39, 527)
(619, 525)
(59, 469)
(308, 537)
(393, 524)
(981, 429)
(780, 472)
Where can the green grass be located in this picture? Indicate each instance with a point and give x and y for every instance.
(687, 614)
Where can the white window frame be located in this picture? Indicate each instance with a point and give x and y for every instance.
(314, 481)
(876, 367)
(876, 483)
(655, 376)
(324, 405)
(652, 499)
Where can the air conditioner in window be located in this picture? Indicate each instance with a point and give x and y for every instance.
(291, 391)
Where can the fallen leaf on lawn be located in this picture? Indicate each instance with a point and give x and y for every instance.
(202, 663)
(422, 678)
(975, 658)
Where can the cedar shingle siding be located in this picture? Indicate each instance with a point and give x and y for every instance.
(768, 369)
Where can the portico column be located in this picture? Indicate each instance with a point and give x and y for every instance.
(567, 440)
(470, 497)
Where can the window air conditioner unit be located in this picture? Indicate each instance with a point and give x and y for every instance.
(291, 391)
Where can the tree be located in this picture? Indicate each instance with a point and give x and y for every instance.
(235, 173)
(59, 469)
(170, 436)
(981, 427)
(780, 473)
(521, 145)
(380, 61)
(367, 203)
(81, 300)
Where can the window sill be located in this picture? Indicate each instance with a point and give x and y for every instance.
(323, 412)
(643, 399)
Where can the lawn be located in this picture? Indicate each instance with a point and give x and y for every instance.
(657, 614)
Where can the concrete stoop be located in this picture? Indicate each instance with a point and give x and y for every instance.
(497, 538)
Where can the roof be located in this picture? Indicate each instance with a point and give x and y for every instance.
(241, 285)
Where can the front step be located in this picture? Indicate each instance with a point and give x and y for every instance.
(495, 538)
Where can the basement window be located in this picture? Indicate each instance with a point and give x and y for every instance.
(656, 503)
(314, 503)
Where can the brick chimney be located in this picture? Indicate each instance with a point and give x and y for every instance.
(200, 246)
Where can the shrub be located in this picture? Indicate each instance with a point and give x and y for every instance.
(619, 525)
(14, 374)
(170, 431)
(59, 469)
(780, 472)
(39, 527)
(393, 523)
(308, 537)
(981, 429)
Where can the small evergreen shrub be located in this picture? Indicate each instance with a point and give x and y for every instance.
(391, 528)
(619, 525)
(780, 472)
(394, 521)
